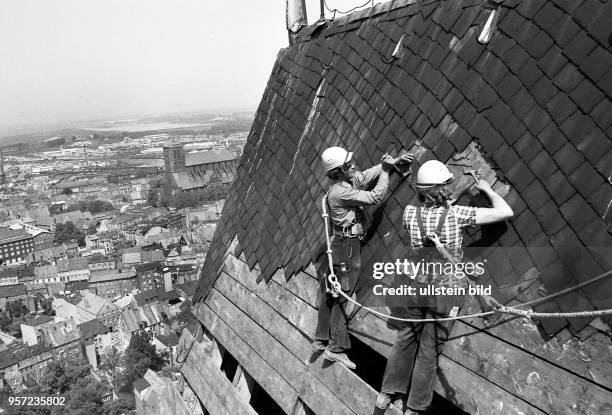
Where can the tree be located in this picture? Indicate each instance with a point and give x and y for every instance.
(45, 304)
(66, 232)
(152, 196)
(139, 356)
(111, 364)
(55, 208)
(5, 320)
(16, 308)
(67, 191)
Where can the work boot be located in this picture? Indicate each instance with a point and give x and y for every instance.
(340, 358)
(318, 346)
(383, 400)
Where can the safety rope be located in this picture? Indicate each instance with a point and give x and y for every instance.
(514, 310)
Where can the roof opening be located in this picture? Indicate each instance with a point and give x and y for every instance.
(371, 368)
(264, 404)
(229, 365)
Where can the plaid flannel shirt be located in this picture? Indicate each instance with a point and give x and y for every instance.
(451, 236)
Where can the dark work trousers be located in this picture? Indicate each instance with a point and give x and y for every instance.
(332, 318)
(413, 358)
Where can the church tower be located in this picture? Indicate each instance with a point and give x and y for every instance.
(174, 157)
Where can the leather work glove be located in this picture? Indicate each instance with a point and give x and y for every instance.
(387, 163)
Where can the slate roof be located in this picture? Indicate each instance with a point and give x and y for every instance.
(12, 235)
(207, 157)
(72, 264)
(111, 275)
(8, 291)
(536, 99)
(90, 329)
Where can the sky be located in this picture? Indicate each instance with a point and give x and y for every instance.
(69, 60)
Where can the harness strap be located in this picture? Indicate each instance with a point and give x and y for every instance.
(439, 226)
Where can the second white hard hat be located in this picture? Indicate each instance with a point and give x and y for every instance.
(433, 173)
(335, 157)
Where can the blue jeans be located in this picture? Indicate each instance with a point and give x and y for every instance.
(413, 359)
(332, 319)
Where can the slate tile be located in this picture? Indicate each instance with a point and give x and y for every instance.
(548, 16)
(580, 46)
(602, 114)
(452, 100)
(526, 226)
(520, 175)
(552, 62)
(510, 22)
(588, 12)
(533, 78)
(485, 98)
(527, 147)
(531, 8)
(507, 87)
(521, 103)
(444, 150)
(432, 137)
(539, 44)
(600, 199)
(568, 78)
(559, 187)
(491, 68)
(520, 260)
(536, 120)
(560, 107)
(509, 238)
(552, 138)
(465, 113)
(535, 195)
(465, 20)
(595, 234)
(541, 251)
(597, 63)
(549, 217)
(600, 29)
(576, 126)
(587, 180)
(498, 265)
(542, 165)
(491, 140)
(498, 113)
(512, 129)
(515, 57)
(460, 139)
(505, 157)
(577, 212)
(586, 95)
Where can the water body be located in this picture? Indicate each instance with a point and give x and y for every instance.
(139, 127)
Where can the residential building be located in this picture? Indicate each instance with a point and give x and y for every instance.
(32, 329)
(15, 246)
(113, 283)
(9, 293)
(73, 269)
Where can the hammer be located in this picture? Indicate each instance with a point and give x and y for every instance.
(473, 174)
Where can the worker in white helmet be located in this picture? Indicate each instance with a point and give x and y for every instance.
(411, 366)
(346, 198)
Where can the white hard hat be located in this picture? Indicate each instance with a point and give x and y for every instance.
(335, 157)
(433, 173)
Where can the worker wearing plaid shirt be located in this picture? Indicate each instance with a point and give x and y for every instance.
(411, 365)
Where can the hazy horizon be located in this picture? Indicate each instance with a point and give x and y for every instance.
(69, 61)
